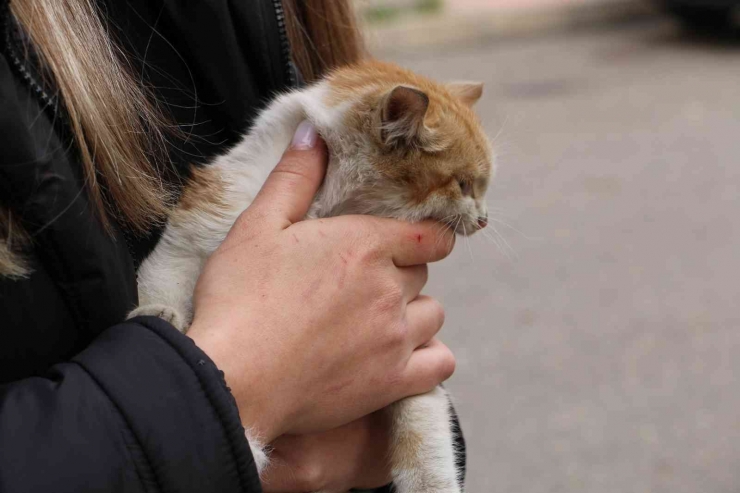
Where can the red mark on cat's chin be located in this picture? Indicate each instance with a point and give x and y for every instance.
(418, 238)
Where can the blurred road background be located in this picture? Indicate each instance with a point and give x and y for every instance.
(597, 328)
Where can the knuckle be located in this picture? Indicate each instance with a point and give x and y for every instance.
(394, 337)
(394, 293)
(447, 364)
(399, 335)
(291, 165)
(370, 241)
(372, 250)
(437, 312)
(310, 476)
(291, 171)
(389, 301)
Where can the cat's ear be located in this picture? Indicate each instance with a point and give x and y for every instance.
(468, 92)
(402, 115)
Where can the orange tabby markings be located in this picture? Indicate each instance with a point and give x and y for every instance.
(450, 149)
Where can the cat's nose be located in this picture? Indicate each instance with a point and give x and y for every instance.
(483, 221)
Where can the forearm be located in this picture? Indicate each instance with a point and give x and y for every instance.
(140, 409)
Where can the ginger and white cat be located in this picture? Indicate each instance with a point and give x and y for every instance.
(400, 146)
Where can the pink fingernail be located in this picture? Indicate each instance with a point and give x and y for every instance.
(305, 136)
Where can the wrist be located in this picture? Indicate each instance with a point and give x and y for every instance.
(257, 411)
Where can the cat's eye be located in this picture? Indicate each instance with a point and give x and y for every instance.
(466, 187)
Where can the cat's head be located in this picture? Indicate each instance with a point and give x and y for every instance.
(407, 147)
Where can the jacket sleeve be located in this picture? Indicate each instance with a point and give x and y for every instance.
(140, 409)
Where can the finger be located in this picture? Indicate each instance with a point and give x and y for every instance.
(289, 190)
(416, 243)
(428, 367)
(413, 279)
(424, 318)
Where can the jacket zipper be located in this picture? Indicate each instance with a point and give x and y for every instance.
(8, 26)
(285, 51)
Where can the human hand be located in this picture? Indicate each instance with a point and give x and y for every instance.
(317, 323)
(352, 456)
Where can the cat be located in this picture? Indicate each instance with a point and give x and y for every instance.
(400, 146)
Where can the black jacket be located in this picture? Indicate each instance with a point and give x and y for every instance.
(89, 402)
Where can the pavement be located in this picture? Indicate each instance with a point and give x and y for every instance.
(463, 22)
(597, 328)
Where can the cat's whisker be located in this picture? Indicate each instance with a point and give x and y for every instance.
(452, 223)
(489, 236)
(447, 220)
(456, 224)
(444, 219)
(493, 209)
(441, 237)
(467, 242)
(447, 225)
(508, 245)
(500, 131)
(504, 223)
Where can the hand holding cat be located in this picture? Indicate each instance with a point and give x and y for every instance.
(318, 323)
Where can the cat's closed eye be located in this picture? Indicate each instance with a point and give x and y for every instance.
(466, 187)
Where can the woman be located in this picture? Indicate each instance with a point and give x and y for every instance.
(90, 164)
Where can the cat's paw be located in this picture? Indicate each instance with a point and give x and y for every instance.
(430, 485)
(425, 488)
(166, 313)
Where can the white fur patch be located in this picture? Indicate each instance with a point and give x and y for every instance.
(260, 452)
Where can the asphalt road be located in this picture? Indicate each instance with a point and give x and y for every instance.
(598, 336)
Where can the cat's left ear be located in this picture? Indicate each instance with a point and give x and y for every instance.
(402, 115)
(468, 92)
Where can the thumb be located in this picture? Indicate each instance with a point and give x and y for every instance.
(289, 190)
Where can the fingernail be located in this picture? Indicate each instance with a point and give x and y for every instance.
(305, 136)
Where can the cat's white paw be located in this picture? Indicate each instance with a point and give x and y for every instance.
(425, 485)
(164, 312)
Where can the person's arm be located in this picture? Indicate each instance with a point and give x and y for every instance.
(140, 409)
(316, 324)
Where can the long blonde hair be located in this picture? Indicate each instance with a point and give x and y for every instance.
(120, 135)
(323, 35)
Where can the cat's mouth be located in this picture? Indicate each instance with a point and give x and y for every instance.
(465, 226)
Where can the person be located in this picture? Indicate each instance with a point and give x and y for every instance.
(106, 107)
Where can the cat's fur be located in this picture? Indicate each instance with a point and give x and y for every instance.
(400, 146)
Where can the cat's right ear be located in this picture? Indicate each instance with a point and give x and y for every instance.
(402, 115)
(468, 92)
